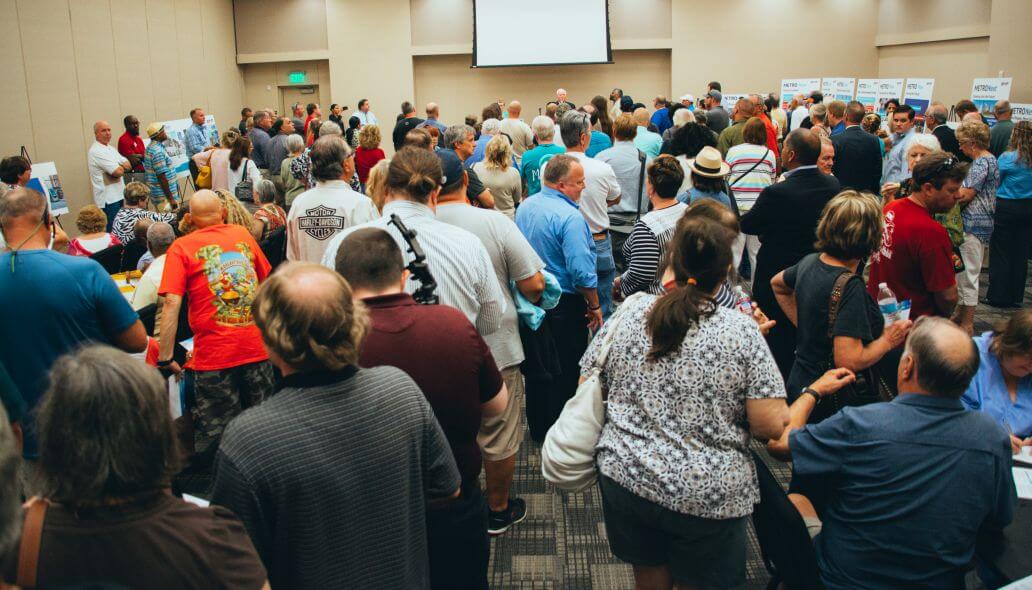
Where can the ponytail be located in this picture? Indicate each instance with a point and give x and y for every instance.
(700, 256)
(415, 172)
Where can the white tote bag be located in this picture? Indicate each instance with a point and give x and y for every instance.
(568, 454)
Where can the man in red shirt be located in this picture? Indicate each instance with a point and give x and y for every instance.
(443, 353)
(772, 133)
(218, 268)
(916, 255)
(130, 145)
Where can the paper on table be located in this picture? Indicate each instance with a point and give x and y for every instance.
(1025, 456)
(1023, 482)
(195, 500)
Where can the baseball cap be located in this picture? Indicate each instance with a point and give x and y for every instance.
(451, 168)
(688, 97)
(715, 95)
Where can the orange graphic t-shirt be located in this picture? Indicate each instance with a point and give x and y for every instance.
(218, 270)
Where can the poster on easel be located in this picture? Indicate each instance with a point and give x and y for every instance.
(867, 93)
(728, 100)
(1021, 111)
(175, 145)
(43, 178)
(888, 89)
(918, 94)
(804, 86)
(838, 89)
(986, 91)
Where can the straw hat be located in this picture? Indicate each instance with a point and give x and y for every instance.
(154, 129)
(708, 163)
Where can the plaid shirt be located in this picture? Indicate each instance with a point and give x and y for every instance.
(157, 161)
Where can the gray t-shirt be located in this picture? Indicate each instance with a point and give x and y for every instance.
(513, 259)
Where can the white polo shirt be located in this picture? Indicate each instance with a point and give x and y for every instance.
(600, 185)
(102, 160)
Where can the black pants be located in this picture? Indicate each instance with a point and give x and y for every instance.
(1009, 251)
(458, 542)
(546, 397)
(618, 244)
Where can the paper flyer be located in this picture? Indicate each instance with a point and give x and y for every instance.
(43, 178)
(1021, 111)
(918, 94)
(176, 142)
(804, 86)
(986, 91)
(838, 89)
(888, 88)
(867, 93)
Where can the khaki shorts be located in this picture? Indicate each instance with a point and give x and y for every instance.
(500, 436)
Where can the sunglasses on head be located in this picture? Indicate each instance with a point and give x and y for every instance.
(943, 166)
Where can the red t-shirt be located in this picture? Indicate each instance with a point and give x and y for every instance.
(127, 144)
(365, 160)
(218, 269)
(772, 135)
(915, 259)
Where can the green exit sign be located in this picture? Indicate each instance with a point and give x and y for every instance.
(297, 77)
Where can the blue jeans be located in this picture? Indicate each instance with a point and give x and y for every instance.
(111, 209)
(606, 268)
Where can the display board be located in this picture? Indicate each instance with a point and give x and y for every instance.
(867, 93)
(986, 91)
(1021, 111)
(918, 94)
(540, 32)
(43, 178)
(792, 87)
(176, 142)
(838, 89)
(728, 100)
(888, 89)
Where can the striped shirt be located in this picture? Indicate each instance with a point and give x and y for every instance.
(157, 161)
(746, 181)
(645, 248)
(124, 224)
(457, 260)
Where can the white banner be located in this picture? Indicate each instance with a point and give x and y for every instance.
(176, 142)
(838, 89)
(986, 91)
(888, 88)
(867, 93)
(43, 178)
(1021, 111)
(804, 86)
(918, 94)
(728, 100)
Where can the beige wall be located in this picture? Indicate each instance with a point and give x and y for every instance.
(953, 64)
(68, 63)
(262, 82)
(265, 27)
(461, 90)
(912, 21)
(1010, 46)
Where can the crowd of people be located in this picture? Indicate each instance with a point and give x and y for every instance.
(354, 340)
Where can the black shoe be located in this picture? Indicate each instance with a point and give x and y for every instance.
(499, 522)
(998, 305)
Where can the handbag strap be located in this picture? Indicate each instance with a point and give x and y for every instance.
(244, 164)
(749, 171)
(641, 184)
(32, 535)
(615, 322)
(835, 303)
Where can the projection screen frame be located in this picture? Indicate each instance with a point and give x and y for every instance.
(609, 49)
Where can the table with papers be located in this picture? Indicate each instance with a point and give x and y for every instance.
(127, 282)
(1009, 550)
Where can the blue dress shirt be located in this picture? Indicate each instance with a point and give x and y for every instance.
(895, 167)
(197, 139)
(557, 231)
(911, 483)
(988, 392)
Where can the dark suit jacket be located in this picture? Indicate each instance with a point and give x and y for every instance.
(858, 160)
(948, 140)
(785, 217)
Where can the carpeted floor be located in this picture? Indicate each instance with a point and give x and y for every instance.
(562, 543)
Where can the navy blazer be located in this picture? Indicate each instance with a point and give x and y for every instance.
(858, 160)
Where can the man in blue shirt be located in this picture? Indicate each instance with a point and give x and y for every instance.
(661, 117)
(903, 487)
(54, 302)
(552, 223)
(895, 167)
(197, 138)
(548, 146)
(260, 140)
(645, 140)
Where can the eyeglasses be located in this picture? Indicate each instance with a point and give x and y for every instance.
(944, 166)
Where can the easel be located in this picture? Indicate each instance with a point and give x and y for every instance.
(28, 158)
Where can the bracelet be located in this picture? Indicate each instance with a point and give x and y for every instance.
(163, 364)
(811, 391)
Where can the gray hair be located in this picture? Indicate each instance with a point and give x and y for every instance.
(456, 134)
(925, 140)
(819, 112)
(572, 126)
(260, 116)
(700, 116)
(20, 202)
(683, 116)
(296, 143)
(328, 155)
(558, 168)
(1002, 107)
(939, 370)
(938, 112)
(265, 191)
(102, 389)
(328, 128)
(10, 486)
(159, 237)
(490, 127)
(544, 128)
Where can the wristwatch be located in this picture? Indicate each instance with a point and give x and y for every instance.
(163, 364)
(811, 391)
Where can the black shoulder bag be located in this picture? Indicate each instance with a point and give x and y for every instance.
(869, 386)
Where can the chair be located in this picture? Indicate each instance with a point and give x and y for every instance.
(131, 254)
(274, 246)
(148, 315)
(785, 544)
(110, 258)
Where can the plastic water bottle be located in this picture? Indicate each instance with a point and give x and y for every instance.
(744, 304)
(888, 303)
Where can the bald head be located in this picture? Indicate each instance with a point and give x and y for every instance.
(432, 110)
(641, 117)
(206, 209)
(936, 115)
(974, 116)
(515, 108)
(746, 109)
(1002, 110)
(102, 132)
(939, 359)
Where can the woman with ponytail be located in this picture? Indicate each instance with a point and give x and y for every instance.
(689, 382)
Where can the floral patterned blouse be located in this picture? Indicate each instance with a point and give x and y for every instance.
(984, 178)
(676, 431)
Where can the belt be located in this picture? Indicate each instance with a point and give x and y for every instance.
(600, 235)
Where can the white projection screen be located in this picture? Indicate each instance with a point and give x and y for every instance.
(540, 32)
